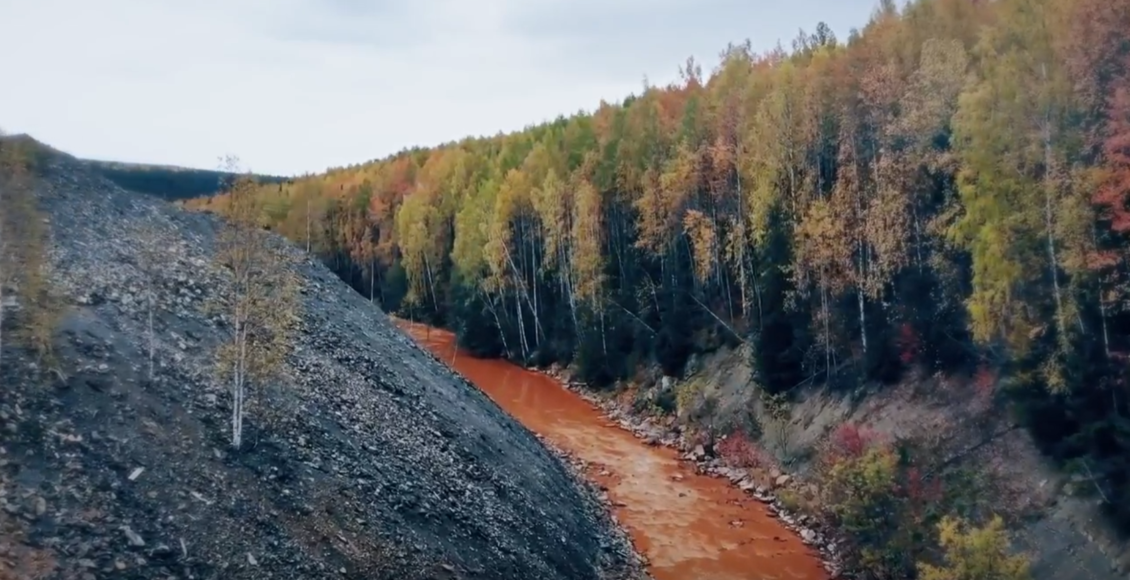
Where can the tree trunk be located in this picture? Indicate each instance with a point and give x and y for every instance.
(521, 327)
(1061, 325)
(1102, 299)
(862, 317)
(1053, 262)
(603, 337)
(741, 221)
(497, 323)
(827, 330)
(524, 294)
(237, 382)
(431, 281)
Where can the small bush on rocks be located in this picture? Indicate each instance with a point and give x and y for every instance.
(885, 504)
(738, 451)
(975, 553)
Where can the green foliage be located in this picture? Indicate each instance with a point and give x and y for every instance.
(790, 499)
(261, 306)
(945, 188)
(687, 394)
(860, 494)
(876, 492)
(975, 553)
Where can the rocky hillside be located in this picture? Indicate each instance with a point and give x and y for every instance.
(368, 460)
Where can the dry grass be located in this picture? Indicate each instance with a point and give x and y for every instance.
(24, 262)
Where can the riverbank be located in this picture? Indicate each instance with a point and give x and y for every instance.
(619, 558)
(993, 465)
(687, 522)
(764, 485)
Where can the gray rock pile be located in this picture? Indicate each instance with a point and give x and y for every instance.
(368, 459)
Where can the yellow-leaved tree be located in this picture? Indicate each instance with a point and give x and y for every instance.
(975, 553)
(261, 304)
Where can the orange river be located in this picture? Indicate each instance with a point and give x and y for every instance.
(689, 526)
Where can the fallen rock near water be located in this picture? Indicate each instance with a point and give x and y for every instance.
(643, 427)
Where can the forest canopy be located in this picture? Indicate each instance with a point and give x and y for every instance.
(943, 189)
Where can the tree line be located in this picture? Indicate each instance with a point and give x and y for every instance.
(943, 189)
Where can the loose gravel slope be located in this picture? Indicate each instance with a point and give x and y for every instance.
(377, 461)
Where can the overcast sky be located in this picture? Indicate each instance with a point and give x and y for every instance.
(292, 86)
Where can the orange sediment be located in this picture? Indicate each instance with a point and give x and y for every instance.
(689, 526)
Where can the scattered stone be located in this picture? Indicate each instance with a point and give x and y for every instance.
(134, 539)
(385, 427)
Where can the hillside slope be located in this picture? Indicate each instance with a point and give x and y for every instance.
(167, 182)
(1055, 517)
(377, 461)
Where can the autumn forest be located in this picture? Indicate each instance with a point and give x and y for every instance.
(944, 190)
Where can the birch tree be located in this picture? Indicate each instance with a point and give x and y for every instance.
(149, 256)
(261, 303)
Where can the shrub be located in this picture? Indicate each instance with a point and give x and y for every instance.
(850, 441)
(738, 451)
(791, 500)
(880, 500)
(975, 553)
(686, 394)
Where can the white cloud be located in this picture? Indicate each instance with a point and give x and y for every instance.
(298, 85)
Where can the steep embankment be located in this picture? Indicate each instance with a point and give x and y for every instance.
(376, 461)
(1054, 519)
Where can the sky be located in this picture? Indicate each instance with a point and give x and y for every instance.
(297, 86)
